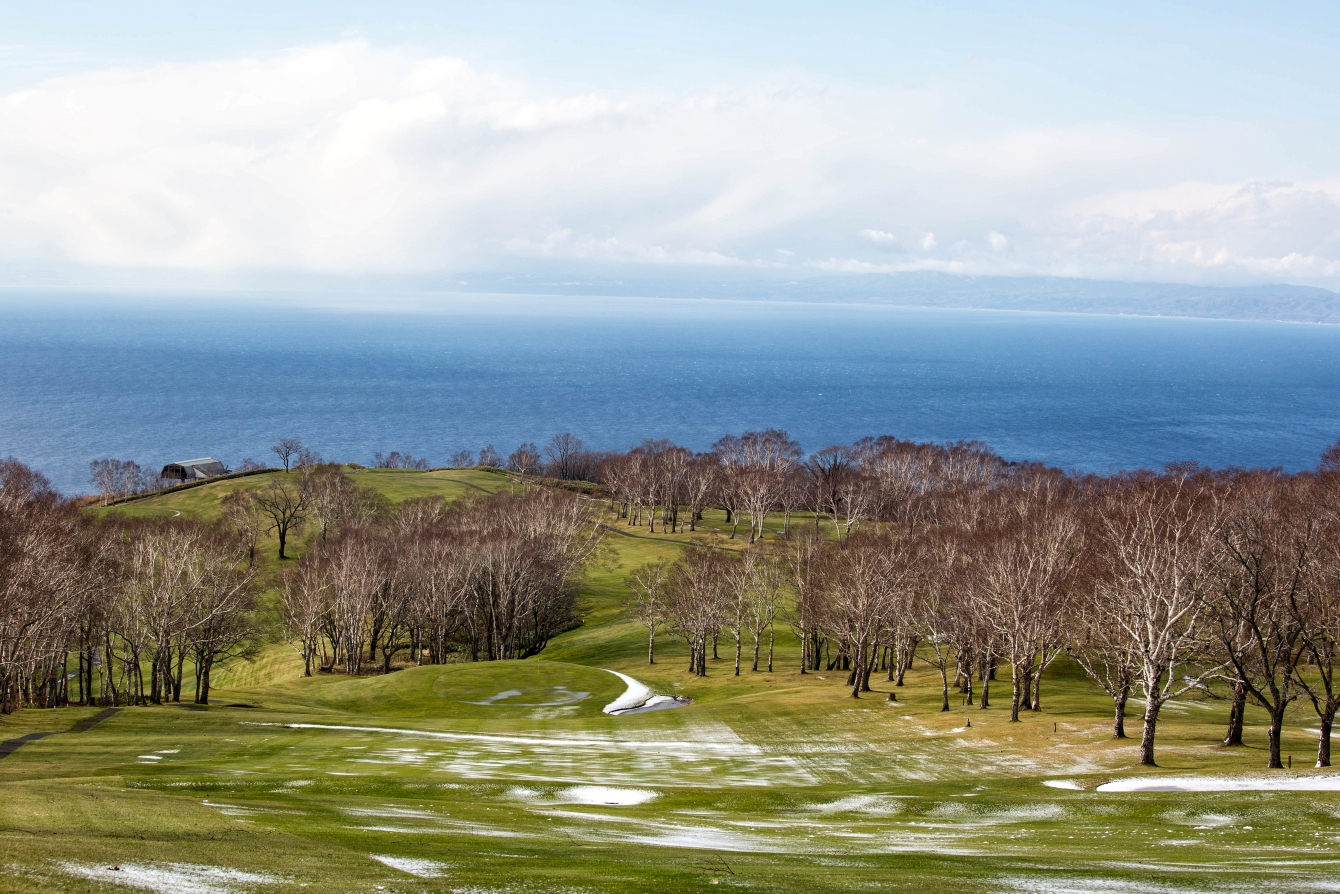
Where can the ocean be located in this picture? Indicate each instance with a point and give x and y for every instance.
(156, 380)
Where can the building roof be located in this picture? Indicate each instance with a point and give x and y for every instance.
(203, 461)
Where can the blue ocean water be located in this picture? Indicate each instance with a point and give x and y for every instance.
(159, 381)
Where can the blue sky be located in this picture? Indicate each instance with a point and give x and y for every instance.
(1190, 142)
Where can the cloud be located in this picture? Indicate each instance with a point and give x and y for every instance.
(349, 158)
(1258, 229)
(855, 265)
(882, 240)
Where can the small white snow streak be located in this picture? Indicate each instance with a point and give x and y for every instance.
(173, 878)
(1224, 784)
(413, 865)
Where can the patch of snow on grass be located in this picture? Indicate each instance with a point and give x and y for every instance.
(605, 796)
(860, 804)
(498, 697)
(1034, 885)
(705, 838)
(413, 865)
(173, 878)
(1069, 785)
(635, 696)
(1330, 783)
(638, 699)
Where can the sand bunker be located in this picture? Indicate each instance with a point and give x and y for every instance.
(173, 878)
(638, 699)
(1224, 784)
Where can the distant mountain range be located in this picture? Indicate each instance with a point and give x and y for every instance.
(1302, 304)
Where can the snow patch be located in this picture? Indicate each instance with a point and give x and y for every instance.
(637, 698)
(1035, 885)
(173, 878)
(1069, 785)
(498, 697)
(861, 804)
(413, 865)
(1224, 784)
(605, 795)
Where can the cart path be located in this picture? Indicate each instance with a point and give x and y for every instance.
(10, 746)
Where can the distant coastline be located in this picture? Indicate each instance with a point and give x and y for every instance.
(1280, 303)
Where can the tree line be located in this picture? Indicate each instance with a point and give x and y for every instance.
(1184, 583)
(1188, 582)
(127, 611)
(488, 577)
(112, 611)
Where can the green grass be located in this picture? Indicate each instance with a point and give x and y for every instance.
(769, 781)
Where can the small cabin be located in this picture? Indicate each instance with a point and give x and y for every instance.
(193, 469)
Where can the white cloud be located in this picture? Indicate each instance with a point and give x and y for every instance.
(1288, 230)
(349, 158)
(854, 265)
(881, 239)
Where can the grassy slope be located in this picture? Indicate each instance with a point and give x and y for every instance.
(770, 781)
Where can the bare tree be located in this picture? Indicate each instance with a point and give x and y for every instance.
(524, 460)
(1267, 541)
(756, 466)
(117, 479)
(938, 608)
(397, 460)
(861, 590)
(286, 502)
(39, 577)
(1023, 568)
(699, 602)
(650, 586)
(804, 557)
(1319, 602)
(243, 516)
(765, 590)
(563, 450)
(306, 600)
(221, 616)
(286, 449)
(488, 456)
(1158, 535)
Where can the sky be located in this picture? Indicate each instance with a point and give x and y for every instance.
(1184, 142)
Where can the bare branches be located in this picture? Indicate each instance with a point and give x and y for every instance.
(286, 449)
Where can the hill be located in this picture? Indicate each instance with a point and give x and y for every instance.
(509, 776)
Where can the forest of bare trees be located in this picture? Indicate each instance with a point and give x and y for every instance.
(1218, 585)
(133, 611)
(487, 578)
(112, 612)
(1185, 583)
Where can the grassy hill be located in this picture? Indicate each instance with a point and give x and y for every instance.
(508, 776)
